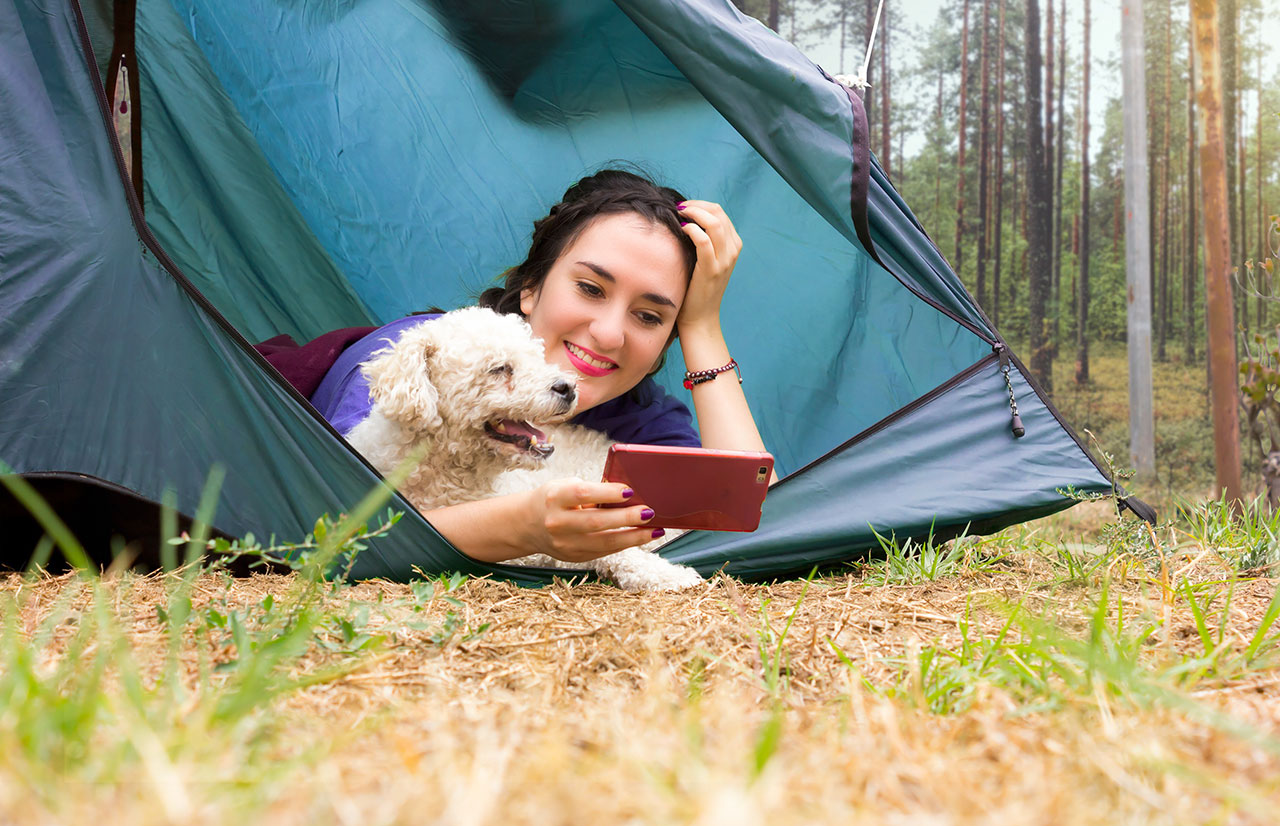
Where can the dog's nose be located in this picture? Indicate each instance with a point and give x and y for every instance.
(565, 390)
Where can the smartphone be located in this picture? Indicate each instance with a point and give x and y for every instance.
(693, 488)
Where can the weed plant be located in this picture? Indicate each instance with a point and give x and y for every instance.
(76, 704)
(1247, 536)
(912, 562)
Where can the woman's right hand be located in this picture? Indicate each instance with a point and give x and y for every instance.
(565, 522)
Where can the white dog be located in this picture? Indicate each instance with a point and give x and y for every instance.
(466, 387)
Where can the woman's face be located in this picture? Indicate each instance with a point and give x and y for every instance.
(608, 305)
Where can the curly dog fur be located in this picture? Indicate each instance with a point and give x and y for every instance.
(464, 388)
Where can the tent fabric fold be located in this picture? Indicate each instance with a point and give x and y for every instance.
(311, 169)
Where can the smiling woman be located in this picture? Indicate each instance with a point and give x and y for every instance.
(615, 272)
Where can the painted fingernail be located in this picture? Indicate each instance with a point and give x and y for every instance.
(679, 206)
(657, 532)
(684, 223)
(627, 493)
(646, 514)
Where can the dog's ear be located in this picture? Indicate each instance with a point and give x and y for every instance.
(400, 380)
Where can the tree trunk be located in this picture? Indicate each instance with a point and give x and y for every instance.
(844, 26)
(1048, 84)
(1189, 269)
(1039, 206)
(964, 90)
(1016, 209)
(1082, 284)
(984, 133)
(1056, 286)
(1257, 160)
(1229, 79)
(937, 178)
(998, 223)
(1217, 239)
(773, 14)
(1137, 235)
(885, 143)
(868, 95)
(1166, 109)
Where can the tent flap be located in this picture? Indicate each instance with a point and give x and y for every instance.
(319, 167)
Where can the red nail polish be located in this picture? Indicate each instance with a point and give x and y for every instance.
(657, 532)
(647, 513)
(627, 493)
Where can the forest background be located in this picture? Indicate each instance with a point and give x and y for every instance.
(942, 70)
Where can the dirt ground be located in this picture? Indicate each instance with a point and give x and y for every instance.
(833, 701)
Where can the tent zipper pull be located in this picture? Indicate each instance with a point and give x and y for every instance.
(1016, 424)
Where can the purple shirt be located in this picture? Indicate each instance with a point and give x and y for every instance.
(650, 418)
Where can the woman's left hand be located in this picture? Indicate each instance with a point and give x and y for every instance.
(718, 245)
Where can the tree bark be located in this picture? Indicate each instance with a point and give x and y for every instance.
(1082, 283)
(984, 133)
(1257, 162)
(1217, 239)
(868, 95)
(1016, 208)
(1189, 269)
(1166, 109)
(937, 179)
(1229, 77)
(1137, 235)
(1056, 286)
(885, 142)
(1039, 206)
(964, 84)
(1048, 84)
(998, 223)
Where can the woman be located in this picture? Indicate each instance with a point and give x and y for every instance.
(614, 272)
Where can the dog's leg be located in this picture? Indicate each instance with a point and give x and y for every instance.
(636, 569)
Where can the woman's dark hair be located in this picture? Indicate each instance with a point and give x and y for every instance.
(607, 192)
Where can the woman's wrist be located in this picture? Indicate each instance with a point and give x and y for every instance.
(703, 346)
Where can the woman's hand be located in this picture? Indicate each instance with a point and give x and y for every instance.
(718, 245)
(566, 523)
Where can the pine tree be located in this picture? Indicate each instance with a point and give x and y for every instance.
(964, 89)
(1082, 283)
(984, 133)
(1039, 206)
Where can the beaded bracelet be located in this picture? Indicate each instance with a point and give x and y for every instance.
(695, 377)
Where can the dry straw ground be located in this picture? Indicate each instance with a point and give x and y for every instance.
(1013, 688)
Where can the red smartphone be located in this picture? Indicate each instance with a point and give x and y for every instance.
(693, 488)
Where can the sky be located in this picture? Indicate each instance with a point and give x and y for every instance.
(1105, 80)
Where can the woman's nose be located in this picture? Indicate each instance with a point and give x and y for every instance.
(607, 331)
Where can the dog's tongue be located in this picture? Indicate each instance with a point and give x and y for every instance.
(513, 428)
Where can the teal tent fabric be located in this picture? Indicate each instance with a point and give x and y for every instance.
(309, 168)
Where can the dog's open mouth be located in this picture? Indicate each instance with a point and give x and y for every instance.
(522, 436)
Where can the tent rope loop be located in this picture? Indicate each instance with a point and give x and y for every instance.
(860, 81)
(1016, 423)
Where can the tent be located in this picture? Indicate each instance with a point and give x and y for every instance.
(303, 167)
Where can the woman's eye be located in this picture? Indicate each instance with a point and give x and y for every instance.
(649, 319)
(590, 290)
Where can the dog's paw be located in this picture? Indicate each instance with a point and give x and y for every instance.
(680, 578)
